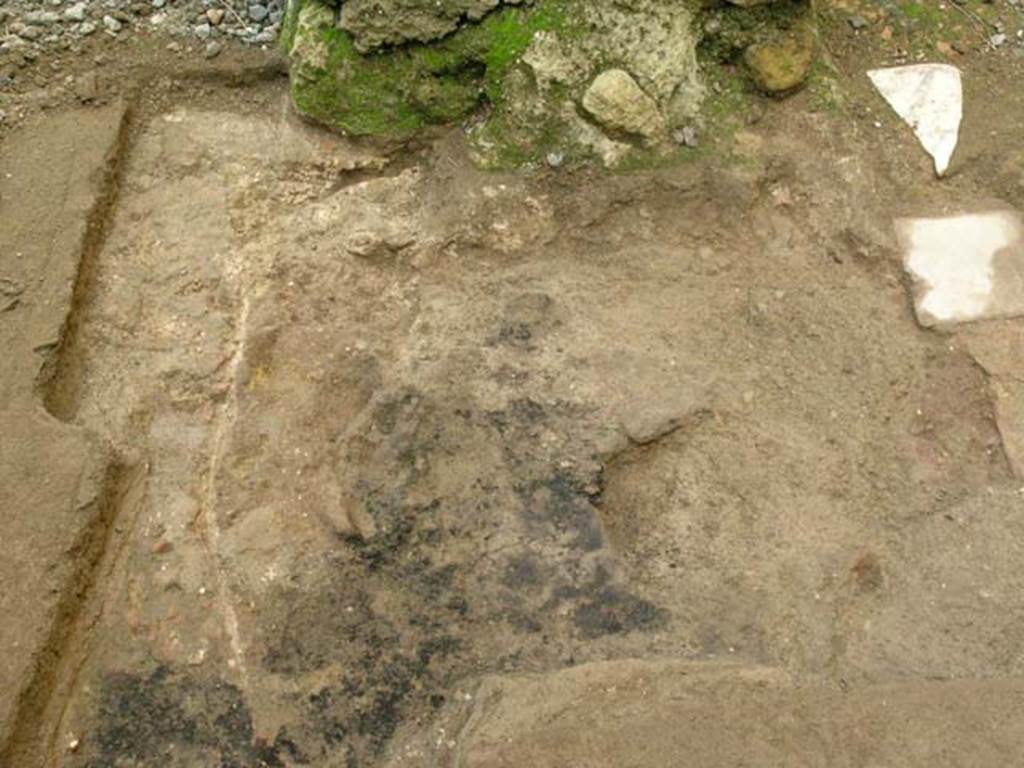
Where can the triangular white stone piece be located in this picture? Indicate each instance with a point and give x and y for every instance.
(929, 98)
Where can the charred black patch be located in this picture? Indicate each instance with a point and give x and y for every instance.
(612, 611)
(174, 718)
(432, 593)
(394, 523)
(515, 334)
(361, 713)
(310, 625)
(559, 501)
(522, 412)
(522, 571)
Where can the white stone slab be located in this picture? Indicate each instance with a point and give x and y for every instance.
(929, 98)
(966, 267)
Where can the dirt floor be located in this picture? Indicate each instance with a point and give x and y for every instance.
(367, 457)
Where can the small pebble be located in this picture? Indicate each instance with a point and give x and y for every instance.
(215, 16)
(686, 136)
(555, 159)
(213, 48)
(41, 18)
(858, 22)
(112, 24)
(75, 12)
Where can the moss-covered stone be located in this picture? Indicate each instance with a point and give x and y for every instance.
(781, 64)
(397, 91)
(727, 31)
(377, 23)
(522, 65)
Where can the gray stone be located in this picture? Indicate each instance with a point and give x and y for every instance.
(41, 18)
(202, 31)
(76, 12)
(266, 36)
(258, 12)
(112, 24)
(86, 28)
(28, 32)
(686, 136)
(616, 101)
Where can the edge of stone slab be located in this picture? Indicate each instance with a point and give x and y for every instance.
(654, 710)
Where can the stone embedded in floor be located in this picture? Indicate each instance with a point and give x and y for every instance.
(929, 98)
(1000, 351)
(644, 419)
(965, 267)
(617, 102)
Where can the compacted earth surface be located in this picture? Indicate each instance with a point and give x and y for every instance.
(316, 452)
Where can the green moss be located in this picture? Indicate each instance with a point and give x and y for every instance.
(358, 94)
(824, 90)
(507, 35)
(645, 159)
(288, 25)
(496, 148)
(923, 13)
(728, 102)
(401, 89)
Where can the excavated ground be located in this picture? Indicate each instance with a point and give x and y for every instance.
(364, 460)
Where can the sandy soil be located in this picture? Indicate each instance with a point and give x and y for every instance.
(386, 425)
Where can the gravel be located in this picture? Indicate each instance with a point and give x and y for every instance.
(34, 26)
(41, 40)
(76, 12)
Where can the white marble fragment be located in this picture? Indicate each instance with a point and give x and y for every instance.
(966, 267)
(929, 98)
